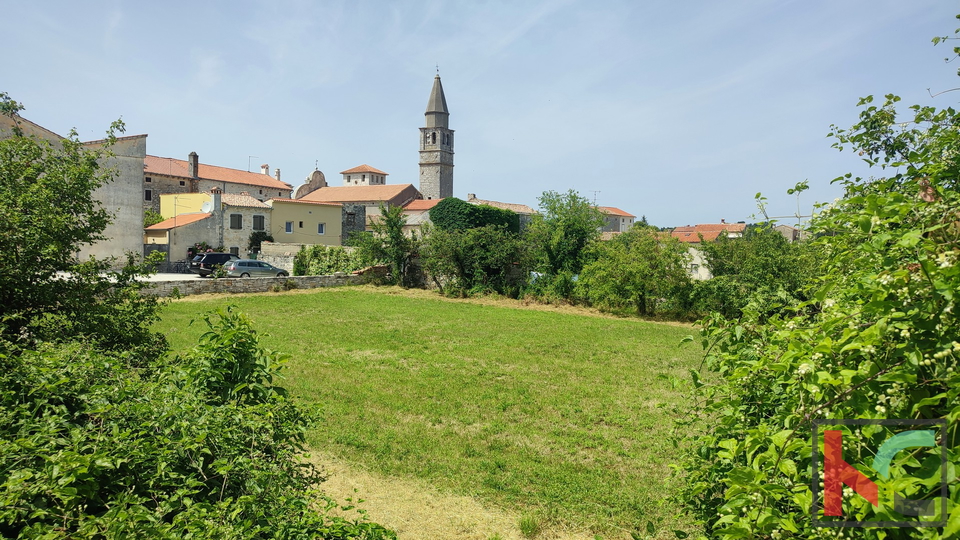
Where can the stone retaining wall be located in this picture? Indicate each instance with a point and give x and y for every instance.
(250, 285)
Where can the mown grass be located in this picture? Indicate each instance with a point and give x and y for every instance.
(560, 415)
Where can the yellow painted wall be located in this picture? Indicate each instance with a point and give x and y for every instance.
(181, 203)
(310, 215)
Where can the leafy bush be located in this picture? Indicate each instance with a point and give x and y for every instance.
(472, 261)
(321, 260)
(453, 214)
(761, 268)
(876, 340)
(257, 238)
(205, 446)
(389, 244)
(640, 269)
(151, 218)
(100, 435)
(559, 235)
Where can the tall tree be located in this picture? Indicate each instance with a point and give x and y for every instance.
(561, 232)
(640, 269)
(49, 213)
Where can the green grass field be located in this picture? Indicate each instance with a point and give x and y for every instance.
(559, 415)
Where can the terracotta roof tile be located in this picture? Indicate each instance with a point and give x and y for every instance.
(421, 204)
(709, 231)
(364, 169)
(180, 168)
(302, 201)
(518, 208)
(177, 221)
(396, 194)
(614, 211)
(234, 199)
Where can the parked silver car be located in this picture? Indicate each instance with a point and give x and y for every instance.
(252, 268)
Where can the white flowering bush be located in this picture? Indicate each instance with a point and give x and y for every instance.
(878, 340)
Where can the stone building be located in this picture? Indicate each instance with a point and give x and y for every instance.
(234, 217)
(121, 196)
(436, 147)
(163, 176)
(364, 175)
(615, 219)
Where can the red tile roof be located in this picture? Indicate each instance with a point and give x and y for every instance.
(709, 231)
(518, 208)
(180, 169)
(421, 204)
(614, 211)
(364, 169)
(177, 221)
(302, 201)
(233, 199)
(395, 194)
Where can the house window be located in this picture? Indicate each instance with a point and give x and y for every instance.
(235, 250)
(321, 227)
(148, 194)
(279, 194)
(147, 179)
(236, 221)
(182, 183)
(351, 219)
(348, 178)
(258, 224)
(289, 227)
(694, 268)
(301, 224)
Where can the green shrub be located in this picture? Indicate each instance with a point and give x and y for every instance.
(204, 446)
(876, 340)
(640, 270)
(321, 260)
(453, 214)
(474, 261)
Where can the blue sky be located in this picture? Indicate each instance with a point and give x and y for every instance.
(679, 111)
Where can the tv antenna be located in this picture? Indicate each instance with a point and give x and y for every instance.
(248, 162)
(595, 191)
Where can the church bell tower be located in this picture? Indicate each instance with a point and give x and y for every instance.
(436, 147)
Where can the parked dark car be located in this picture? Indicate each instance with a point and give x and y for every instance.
(252, 268)
(207, 263)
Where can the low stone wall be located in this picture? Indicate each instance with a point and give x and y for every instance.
(250, 285)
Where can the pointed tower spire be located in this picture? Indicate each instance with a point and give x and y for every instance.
(437, 113)
(436, 147)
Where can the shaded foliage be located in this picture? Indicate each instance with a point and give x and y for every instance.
(478, 260)
(453, 214)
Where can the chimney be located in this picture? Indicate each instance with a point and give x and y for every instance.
(471, 196)
(723, 221)
(277, 173)
(193, 168)
(265, 169)
(215, 194)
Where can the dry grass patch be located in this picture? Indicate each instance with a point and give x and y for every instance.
(418, 511)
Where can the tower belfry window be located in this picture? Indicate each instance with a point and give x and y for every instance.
(433, 138)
